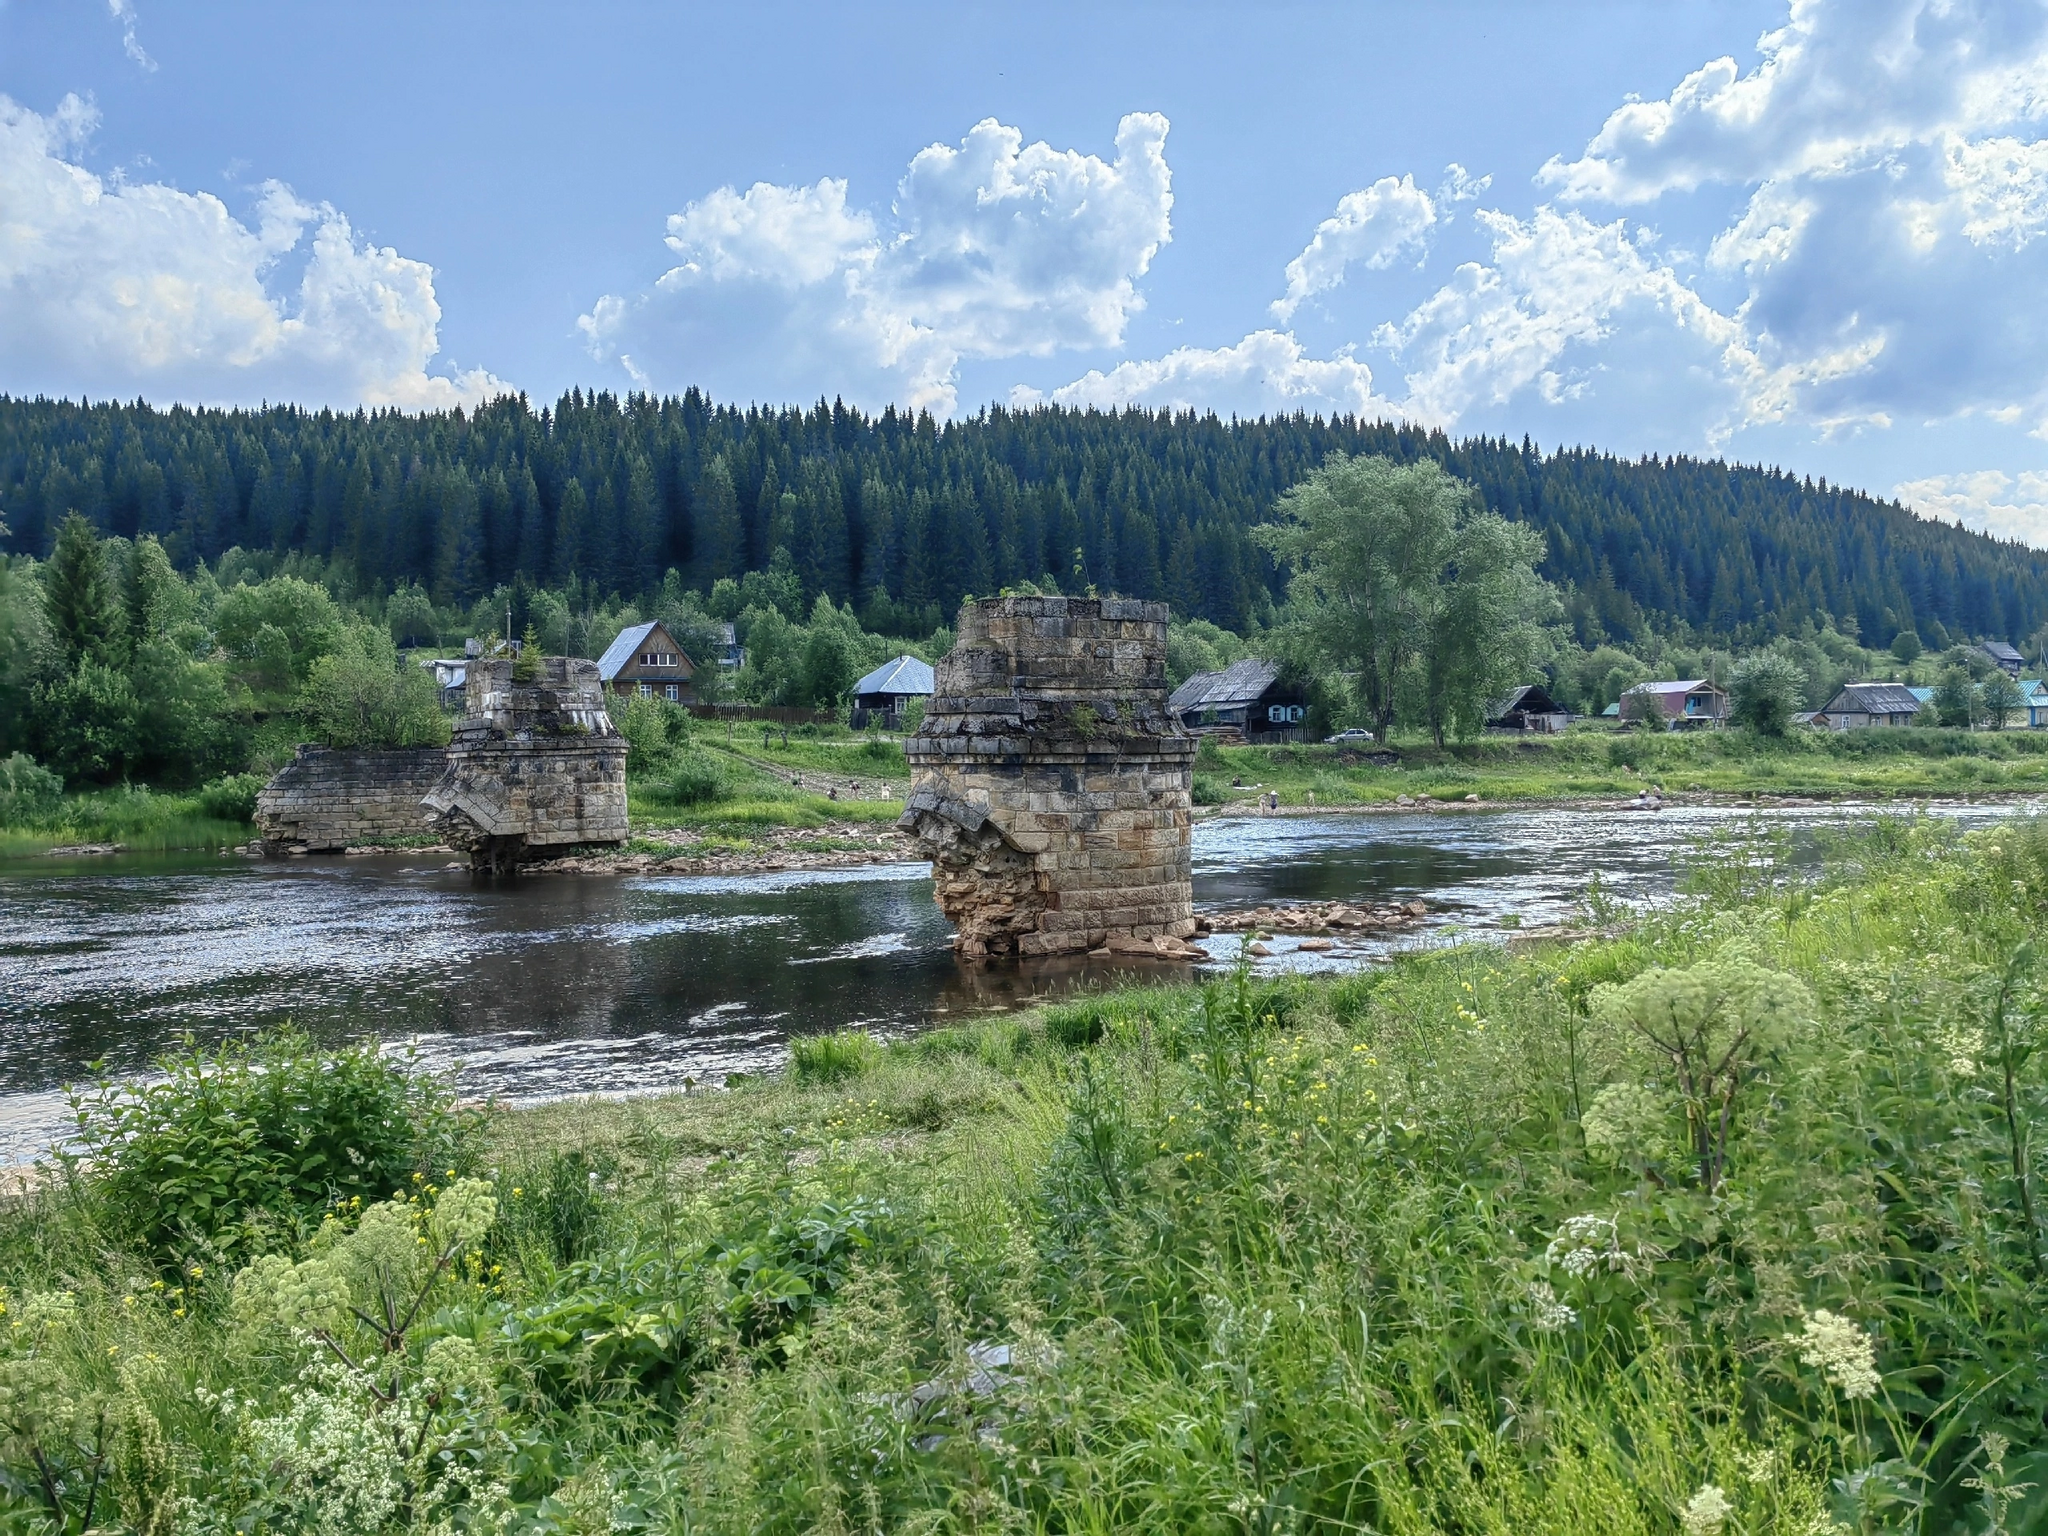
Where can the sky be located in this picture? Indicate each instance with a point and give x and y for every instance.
(1795, 232)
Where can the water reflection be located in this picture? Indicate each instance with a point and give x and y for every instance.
(591, 984)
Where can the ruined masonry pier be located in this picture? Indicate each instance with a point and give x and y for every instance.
(1050, 784)
(533, 767)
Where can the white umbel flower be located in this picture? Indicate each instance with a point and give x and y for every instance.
(1706, 1512)
(1585, 1244)
(1846, 1355)
(1545, 1311)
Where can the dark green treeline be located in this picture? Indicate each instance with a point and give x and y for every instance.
(903, 516)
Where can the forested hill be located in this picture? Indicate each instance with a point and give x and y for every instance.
(903, 515)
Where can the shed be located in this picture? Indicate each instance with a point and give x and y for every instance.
(892, 685)
(1247, 698)
(450, 674)
(646, 660)
(1689, 703)
(2009, 660)
(1860, 705)
(1528, 708)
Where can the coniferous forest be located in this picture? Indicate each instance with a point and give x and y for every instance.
(903, 516)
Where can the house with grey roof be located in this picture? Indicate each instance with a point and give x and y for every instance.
(1528, 708)
(645, 659)
(1684, 703)
(1248, 698)
(2009, 660)
(892, 685)
(1860, 705)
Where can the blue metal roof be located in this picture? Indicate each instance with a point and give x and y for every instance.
(905, 675)
(621, 650)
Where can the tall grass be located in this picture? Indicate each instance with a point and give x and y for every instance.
(145, 820)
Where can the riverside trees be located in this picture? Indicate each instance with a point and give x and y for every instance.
(1403, 582)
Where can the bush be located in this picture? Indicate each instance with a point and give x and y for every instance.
(1765, 691)
(699, 780)
(820, 1060)
(28, 791)
(267, 1133)
(231, 797)
(1208, 790)
(654, 730)
(362, 695)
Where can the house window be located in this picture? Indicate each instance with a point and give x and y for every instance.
(647, 690)
(674, 692)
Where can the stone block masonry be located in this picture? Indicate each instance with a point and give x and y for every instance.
(533, 767)
(323, 800)
(1051, 787)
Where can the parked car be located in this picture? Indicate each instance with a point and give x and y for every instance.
(1354, 734)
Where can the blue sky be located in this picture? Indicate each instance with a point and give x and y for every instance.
(1803, 233)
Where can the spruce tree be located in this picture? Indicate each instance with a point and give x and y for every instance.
(526, 665)
(78, 596)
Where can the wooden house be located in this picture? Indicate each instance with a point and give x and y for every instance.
(646, 660)
(2008, 660)
(888, 690)
(1682, 705)
(1861, 705)
(1247, 698)
(1529, 708)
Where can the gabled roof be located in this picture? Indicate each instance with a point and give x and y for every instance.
(1924, 695)
(905, 675)
(621, 650)
(2034, 691)
(1873, 699)
(1998, 650)
(1240, 683)
(1530, 698)
(1678, 687)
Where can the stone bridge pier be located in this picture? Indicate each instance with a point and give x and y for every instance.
(1051, 787)
(534, 767)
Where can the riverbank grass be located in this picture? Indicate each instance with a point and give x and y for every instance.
(144, 820)
(1594, 762)
(1730, 1220)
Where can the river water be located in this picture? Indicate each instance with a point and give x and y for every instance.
(607, 984)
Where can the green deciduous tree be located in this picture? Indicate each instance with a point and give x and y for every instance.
(1491, 611)
(2000, 701)
(1397, 566)
(1956, 702)
(275, 630)
(1765, 691)
(361, 694)
(410, 616)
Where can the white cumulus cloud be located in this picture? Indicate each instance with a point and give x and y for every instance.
(1555, 282)
(1265, 374)
(992, 248)
(1896, 181)
(1371, 227)
(111, 287)
(1989, 500)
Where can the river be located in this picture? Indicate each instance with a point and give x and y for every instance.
(615, 984)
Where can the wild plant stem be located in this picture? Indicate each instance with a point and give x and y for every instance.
(2021, 1172)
